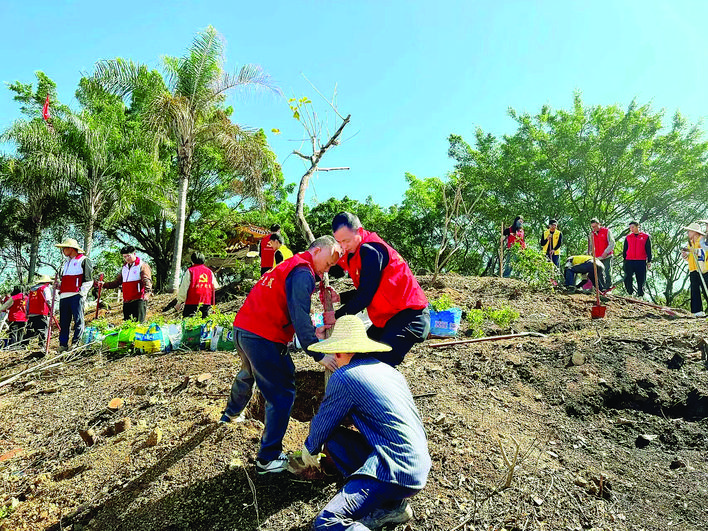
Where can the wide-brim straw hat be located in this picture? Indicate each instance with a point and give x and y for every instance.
(42, 279)
(695, 227)
(349, 335)
(70, 242)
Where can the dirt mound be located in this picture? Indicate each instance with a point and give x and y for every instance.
(608, 417)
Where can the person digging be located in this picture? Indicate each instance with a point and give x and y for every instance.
(386, 461)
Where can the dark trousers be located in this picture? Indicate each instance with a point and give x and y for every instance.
(135, 310)
(400, 332)
(697, 291)
(580, 269)
(37, 326)
(190, 310)
(269, 365)
(71, 308)
(361, 495)
(636, 268)
(606, 277)
(16, 332)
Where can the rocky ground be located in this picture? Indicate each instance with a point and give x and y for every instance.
(601, 424)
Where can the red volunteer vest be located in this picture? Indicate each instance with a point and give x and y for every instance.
(636, 249)
(514, 237)
(38, 300)
(601, 241)
(267, 253)
(17, 313)
(398, 289)
(133, 289)
(201, 285)
(73, 275)
(265, 310)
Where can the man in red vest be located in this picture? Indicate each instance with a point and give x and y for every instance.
(385, 287)
(16, 308)
(604, 249)
(76, 281)
(266, 251)
(40, 297)
(136, 280)
(198, 288)
(277, 307)
(637, 258)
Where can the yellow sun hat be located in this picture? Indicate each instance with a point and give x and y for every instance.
(349, 335)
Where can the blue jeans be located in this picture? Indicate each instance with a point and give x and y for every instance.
(400, 332)
(71, 307)
(270, 366)
(361, 495)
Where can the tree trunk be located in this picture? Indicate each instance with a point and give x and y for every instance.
(300, 210)
(34, 251)
(88, 237)
(179, 230)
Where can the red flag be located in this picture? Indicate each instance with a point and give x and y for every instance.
(45, 109)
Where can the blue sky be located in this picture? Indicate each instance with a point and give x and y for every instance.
(409, 72)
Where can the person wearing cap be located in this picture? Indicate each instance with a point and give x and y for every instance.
(637, 258)
(581, 264)
(697, 267)
(136, 280)
(276, 308)
(266, 251)
(511, 236)
(76, 281)
(704, 239)
(385, 287)
(281, 251)
(604, 245)
(40, 297)
(386, 460)
(16, 308)
(197, 292)
(551, 241)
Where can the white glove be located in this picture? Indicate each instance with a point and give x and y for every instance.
(310, 460)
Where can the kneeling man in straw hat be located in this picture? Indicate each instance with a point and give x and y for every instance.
(387, 460)
(76, 281)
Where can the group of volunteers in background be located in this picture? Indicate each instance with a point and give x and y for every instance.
(385, 460)
(636, 254)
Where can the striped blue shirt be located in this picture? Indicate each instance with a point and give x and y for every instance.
(381, 405)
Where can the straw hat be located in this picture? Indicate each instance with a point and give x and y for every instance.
(349, 335)
(42, 279)
(695, 227)
(70, 242)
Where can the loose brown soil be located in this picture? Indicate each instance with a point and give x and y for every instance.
(617, 442)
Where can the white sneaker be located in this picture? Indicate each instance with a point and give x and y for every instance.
(382, 517)
(699, 314)
(276, 466)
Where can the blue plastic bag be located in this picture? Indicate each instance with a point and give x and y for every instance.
(445, 323)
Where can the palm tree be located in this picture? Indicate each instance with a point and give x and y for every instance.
(188, 110)
(39, 175)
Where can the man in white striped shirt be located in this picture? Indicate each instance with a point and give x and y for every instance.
(387, 460)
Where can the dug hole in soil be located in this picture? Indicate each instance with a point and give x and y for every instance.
(601, 424)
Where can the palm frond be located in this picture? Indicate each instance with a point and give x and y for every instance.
(250, 76)
(118, 76)
(201, 65)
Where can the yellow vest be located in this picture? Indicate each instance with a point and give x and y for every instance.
(556, 235)
(581, 259)
(695, 248)
(287, 253)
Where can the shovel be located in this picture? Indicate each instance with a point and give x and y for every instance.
(597, 311)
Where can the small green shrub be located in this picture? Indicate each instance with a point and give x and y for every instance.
(444, 302)
(532, 266)
(502, 317)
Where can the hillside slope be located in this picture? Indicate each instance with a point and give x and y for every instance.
(609, 416)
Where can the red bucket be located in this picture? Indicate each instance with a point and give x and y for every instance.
(598, 312)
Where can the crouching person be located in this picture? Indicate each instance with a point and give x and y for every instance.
(386, 461)
(582, 264)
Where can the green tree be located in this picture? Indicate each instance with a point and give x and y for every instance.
(188, 110)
